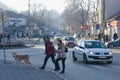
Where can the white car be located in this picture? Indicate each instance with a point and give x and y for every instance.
(92, 50)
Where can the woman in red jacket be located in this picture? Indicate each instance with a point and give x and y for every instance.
(49, 51)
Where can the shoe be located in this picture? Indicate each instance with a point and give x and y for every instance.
(62, 72)
(42, 68)
(56, 69)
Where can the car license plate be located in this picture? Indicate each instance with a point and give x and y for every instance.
(102, 56)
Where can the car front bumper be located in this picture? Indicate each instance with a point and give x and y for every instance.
(100, 58)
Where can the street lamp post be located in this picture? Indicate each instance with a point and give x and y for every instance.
(29, 35)
(3, 37)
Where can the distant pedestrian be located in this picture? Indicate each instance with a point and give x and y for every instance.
(100, 36)
(61, 56)
(95, 37)
(89, 35)
(49, 51)
(8, 38)
(106, 38)
(0, 38)
(115, 36)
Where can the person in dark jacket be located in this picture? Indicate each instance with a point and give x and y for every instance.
(49, 51)
(106, 38)
(100, 36)
(8, 38)
(115, 36)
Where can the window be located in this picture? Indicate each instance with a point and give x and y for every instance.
(93, 44)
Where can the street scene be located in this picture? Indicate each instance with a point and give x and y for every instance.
(59, 40)
(74, 70)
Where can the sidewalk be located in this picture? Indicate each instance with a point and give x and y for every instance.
(16, 72)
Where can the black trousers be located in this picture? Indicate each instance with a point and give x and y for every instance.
(57, 63)
(46, 59)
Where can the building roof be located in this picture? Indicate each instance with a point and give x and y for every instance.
(114, 17)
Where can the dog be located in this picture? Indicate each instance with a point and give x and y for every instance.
(18, 58)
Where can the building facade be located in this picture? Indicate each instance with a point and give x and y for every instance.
(108, 11)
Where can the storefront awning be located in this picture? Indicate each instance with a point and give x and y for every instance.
(114, 17)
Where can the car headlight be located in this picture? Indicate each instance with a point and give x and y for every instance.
(110, 53)
(66, 42)
(75, 43)
(91, 53)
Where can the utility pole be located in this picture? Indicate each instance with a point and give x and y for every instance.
(103, 14)
(29, 32)
(3, 37)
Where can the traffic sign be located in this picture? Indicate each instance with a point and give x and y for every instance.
(97, 26)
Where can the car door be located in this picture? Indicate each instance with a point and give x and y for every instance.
(77, 47)
(76, 50)
(118, 43)
(81, 50)
(80, 47)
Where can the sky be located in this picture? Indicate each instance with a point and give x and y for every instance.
(22, 5)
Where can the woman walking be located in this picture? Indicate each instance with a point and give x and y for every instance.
(49, 51)
(61, 56)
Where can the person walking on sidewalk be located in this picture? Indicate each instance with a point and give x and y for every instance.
(115, 36)
(100, 35)
(49, 51)
(61, 56)
(8, 39)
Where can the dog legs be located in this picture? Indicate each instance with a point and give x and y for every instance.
(27, 61)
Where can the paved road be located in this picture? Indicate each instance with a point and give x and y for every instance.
(8, 71)
(93, 71)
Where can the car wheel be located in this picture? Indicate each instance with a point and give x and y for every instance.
(109, 62)
(111, 46)
(73, 56)
(85, 59)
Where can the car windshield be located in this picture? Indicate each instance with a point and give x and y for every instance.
(69, 39)
(94, 44)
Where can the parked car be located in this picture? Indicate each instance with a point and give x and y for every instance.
(113, 44)
(69, 41)
(92, 50)
(57, 37)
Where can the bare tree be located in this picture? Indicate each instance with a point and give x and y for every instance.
(76, 13)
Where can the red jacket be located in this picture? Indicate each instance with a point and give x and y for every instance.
(49, 48)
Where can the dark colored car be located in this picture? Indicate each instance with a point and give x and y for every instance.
(113, 44)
